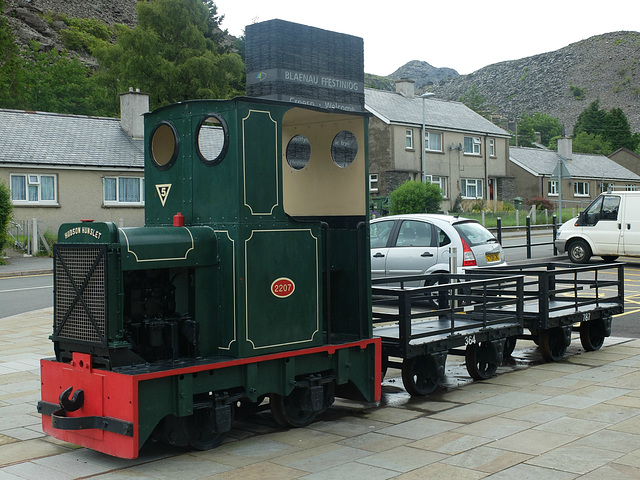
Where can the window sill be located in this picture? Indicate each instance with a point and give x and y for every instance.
(123, 205)
(18, 203)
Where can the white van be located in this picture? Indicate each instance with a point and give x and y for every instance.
(608, 227)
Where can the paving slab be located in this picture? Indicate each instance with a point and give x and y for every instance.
(579, 417)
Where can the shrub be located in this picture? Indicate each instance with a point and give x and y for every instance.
(541, 203)
(415, 197)
(6, 211)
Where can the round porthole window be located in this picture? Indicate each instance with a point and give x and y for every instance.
(163, 145)
(212, 139)
(344, 148)
(298, 152)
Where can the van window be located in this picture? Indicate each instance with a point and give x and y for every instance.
(604, 207)
(610, 207)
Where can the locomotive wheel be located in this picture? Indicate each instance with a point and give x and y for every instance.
(420, 375)
(509, 346)
(201, 431)
(592, 335)
(289, 411)
(482, 360)
(552, 344)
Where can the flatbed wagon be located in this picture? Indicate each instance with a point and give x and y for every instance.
(560, 298)
(470, 315)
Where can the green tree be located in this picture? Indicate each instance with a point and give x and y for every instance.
(546, 125)
(10, 65)
(613, 127)
(591, 119)
(172, 54)
(590, 143)
(415, 197)
(525, 135)
(58, 83)
(6, 211)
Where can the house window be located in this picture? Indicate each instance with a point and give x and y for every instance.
(433, 142)
(472, 145)
(34, 189)
(471, 187)
(373, 182)
(409, 139)
(123, 190)
(553, 188)
(607, 187)
(631, 188)
(492, 147)
(442, 183)
(581, 189)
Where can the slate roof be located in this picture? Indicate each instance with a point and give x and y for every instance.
(39, 138)
(393, 107)
(543, 162)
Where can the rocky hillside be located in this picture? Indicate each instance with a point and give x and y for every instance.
(561, 83)
(26, 17)
(423, 74)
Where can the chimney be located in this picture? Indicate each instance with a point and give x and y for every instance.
(565, 147)
(133, 105)
(406, 87)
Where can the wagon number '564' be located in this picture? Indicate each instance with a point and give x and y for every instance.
(282, 287)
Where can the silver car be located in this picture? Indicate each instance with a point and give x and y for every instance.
(419, 244)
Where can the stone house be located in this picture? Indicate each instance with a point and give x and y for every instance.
(584, 176)
(465, 154)
(64, 168)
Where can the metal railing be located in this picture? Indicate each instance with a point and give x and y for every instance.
(499, 229)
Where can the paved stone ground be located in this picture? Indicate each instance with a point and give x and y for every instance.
(578, 418)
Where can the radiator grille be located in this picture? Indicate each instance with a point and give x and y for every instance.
(80, 296)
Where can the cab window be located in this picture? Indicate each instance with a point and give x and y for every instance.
(603, 208)
(610, 207)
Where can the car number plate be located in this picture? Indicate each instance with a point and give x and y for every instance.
(492, 257)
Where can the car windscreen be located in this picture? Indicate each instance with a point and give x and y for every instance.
(474, 233)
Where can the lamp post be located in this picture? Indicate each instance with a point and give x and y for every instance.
(424, 143)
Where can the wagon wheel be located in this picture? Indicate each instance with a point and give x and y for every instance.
(289, 411)
(420, 375)
(552, 344)
(592, 334)
(509, 346)
(201, 430)
(482, 360)
(535, 335)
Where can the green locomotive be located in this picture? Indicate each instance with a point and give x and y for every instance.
(250, 279)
